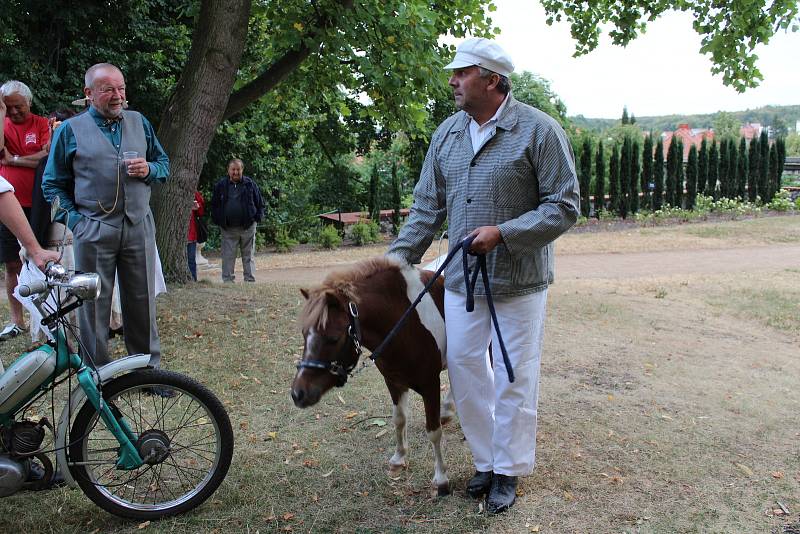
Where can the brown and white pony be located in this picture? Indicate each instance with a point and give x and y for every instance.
(382, 289)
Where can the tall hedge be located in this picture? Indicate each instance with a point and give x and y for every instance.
(613, 181)
(713, 171)
(672, 171)
(754, 164)
(733, 166)
(763, 169)
(599, 180)
(633, 193)
(647, 169)
(679, 175)
(723, 168)
(741, 169)
(691, 178)
(702, 166)
(624, 178)
(585, 175)
(774, 179)
(658, 176)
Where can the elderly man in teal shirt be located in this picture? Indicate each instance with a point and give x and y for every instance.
(101, 166)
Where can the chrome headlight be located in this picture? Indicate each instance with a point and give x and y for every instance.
(85, 286)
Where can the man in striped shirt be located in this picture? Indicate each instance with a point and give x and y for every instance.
(504, 172)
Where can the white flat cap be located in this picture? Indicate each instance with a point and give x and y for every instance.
(483, 53)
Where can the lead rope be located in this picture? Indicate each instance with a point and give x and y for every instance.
(481, 266)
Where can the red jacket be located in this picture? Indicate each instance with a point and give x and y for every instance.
(199, 212)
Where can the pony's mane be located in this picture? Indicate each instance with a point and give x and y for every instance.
(342, 284)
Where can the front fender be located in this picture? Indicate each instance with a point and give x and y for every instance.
(78, 397)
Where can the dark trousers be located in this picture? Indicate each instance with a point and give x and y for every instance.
(191, 257)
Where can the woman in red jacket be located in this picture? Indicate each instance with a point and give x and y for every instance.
(191, 246)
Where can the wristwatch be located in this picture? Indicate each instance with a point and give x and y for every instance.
(15, 158)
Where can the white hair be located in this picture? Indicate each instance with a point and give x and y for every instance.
(15, 87)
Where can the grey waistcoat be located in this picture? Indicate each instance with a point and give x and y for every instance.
(100, 177)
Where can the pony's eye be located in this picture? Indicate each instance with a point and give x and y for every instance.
(330, 340)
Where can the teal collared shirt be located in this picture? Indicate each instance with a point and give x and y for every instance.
(57, 180)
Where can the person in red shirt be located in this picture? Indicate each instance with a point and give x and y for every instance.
(24, 141)
(198, 210)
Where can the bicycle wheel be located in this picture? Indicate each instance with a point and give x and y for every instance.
(184, 436)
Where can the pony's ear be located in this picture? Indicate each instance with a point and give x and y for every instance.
(304, 292)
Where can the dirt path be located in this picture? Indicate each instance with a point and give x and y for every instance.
(586, 266)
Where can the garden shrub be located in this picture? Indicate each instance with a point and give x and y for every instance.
(365, 232)
(284, 243)
(329, 237)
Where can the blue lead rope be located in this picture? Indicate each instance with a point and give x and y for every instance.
(470, 283)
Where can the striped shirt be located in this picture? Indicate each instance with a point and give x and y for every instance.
(522, 180)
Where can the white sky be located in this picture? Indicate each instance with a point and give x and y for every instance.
(661, 72)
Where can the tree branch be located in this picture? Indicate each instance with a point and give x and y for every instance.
(280, 69)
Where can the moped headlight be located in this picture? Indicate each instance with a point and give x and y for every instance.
(85, 286)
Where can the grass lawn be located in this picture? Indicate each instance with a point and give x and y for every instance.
(668, 404)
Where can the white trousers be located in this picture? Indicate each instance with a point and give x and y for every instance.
(498, 418)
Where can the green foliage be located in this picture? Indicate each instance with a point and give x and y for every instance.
(673, 161)
(702, 166)
(373, 199)
(49, 46)
(647, 169)
(723, 168)
(754, 163)
(585, 175)
(765, 115)
(634, 186)
(726, 126)
(365, 232)
(713, 171)
(284, 243)
(614, 190)
(329, 237)
(625, 177)
(599, 180)
(782, 201)
(729, 36)
(691, 178)
(535, 91)
(658, 176)
(793, 144)
(774, 179)
(625, 119)
(741, 169)
(763, 168)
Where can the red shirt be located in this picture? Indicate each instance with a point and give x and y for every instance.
(199, 212)
(23, 140)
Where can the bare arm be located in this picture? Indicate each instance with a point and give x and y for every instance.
(31, 161)
(13, 217)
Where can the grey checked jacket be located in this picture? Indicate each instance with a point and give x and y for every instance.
(522, 180)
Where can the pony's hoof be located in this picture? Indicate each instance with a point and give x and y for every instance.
(396, 470)
(443, 490)
(444, 419)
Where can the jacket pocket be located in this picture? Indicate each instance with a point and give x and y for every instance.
(513, 186)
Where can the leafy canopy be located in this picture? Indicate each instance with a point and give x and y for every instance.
(730, 30)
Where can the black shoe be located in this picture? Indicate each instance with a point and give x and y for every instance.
(502, 495)
(479, 484)
(166, 393)
(115, 332)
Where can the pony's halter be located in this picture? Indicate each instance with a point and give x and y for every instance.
(338, 367)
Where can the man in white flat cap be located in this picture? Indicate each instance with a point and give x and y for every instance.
(504, 172)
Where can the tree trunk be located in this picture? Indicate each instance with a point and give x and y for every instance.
(190, 120)
(201, 101)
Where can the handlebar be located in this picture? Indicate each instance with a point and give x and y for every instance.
(38, 286)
